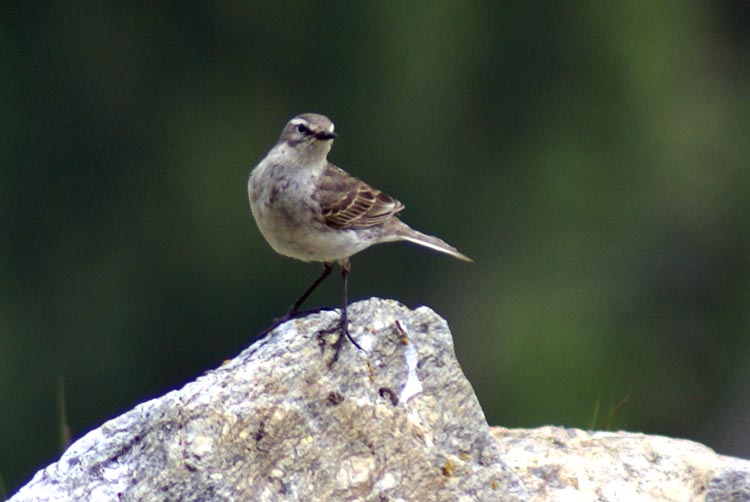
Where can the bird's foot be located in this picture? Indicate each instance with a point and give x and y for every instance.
(342, 329)
(290, 314)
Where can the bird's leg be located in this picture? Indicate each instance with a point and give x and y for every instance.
(293, 311)
(343, 325)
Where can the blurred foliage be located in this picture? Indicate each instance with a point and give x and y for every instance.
(591, 157)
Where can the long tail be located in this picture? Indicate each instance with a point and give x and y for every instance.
(409, 234)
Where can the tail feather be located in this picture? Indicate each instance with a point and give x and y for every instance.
(428, 241)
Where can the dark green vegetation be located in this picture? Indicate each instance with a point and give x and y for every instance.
(592, 158)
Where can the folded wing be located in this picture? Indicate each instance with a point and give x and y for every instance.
(348, 202)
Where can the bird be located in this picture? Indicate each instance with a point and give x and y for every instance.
(311, 210)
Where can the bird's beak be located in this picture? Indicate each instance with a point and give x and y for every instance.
(325, 135)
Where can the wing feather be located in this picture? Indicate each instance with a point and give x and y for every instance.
(347, 202)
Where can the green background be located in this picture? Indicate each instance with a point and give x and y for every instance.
(592, 157)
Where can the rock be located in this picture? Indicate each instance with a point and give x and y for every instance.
(570, 464)
(396, 421)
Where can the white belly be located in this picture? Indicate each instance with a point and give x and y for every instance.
(292, 222)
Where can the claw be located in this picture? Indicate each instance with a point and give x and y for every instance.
(342, 329)
(288, 316)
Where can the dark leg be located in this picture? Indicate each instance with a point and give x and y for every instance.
(327, 267)
(293, 311)
(343, 325)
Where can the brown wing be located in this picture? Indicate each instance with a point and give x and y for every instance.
(348, 202)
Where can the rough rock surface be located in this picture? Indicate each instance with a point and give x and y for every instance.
(395, 421)
(583, 466)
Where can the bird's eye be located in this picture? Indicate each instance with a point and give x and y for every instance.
(301, 128)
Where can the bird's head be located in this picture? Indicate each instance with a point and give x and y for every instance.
(309, 136)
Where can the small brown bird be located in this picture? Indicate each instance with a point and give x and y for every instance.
(311, 210)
